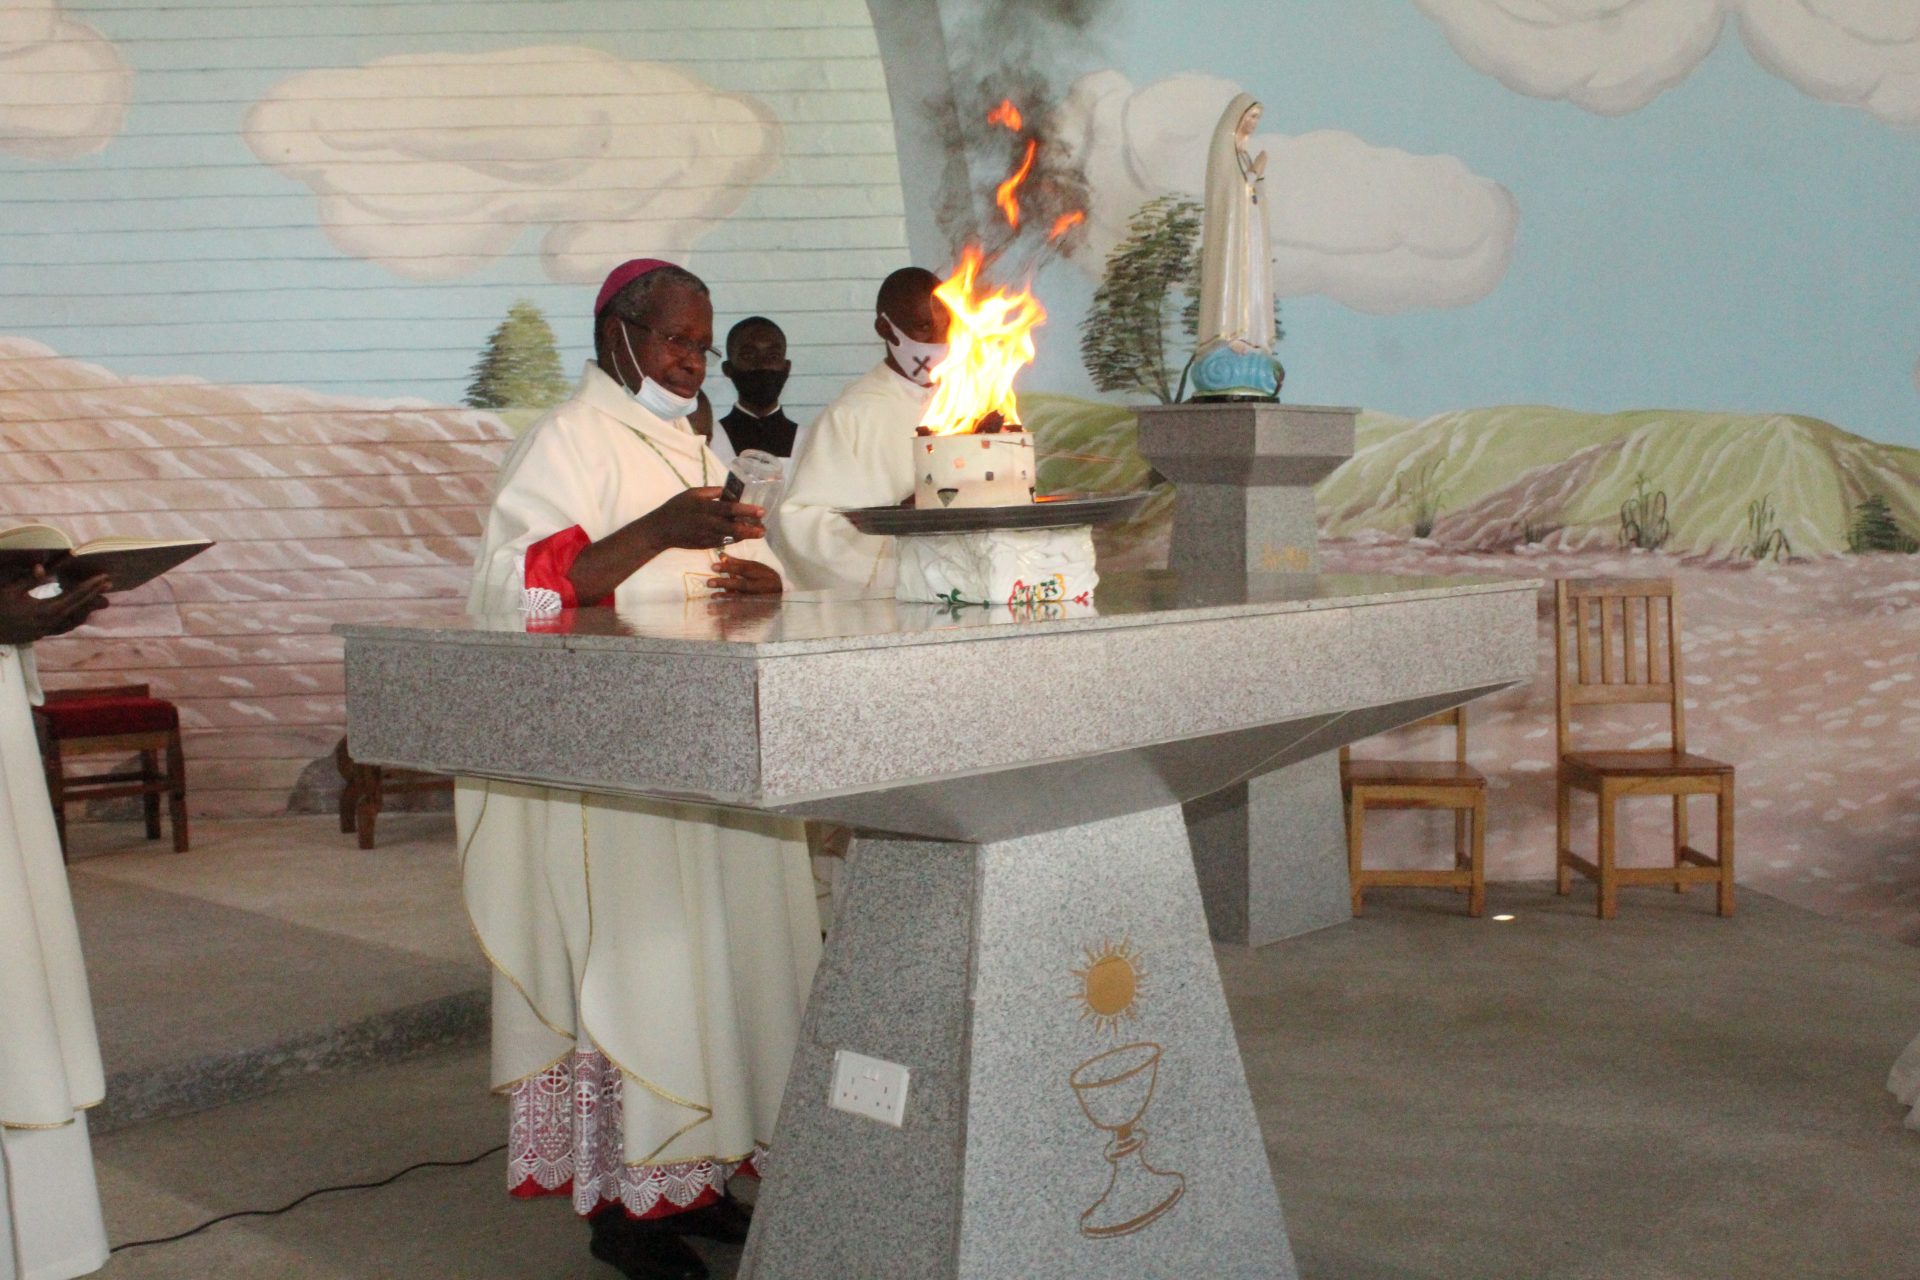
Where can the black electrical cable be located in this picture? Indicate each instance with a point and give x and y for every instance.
(317, 1191)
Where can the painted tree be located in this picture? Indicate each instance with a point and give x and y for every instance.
(1147, 300)
(520, 367)
(1875, 529)
(1125, 336)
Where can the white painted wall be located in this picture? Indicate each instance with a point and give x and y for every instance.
(348, 196)
(250, 250)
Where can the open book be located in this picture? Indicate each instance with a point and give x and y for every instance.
(130, 562)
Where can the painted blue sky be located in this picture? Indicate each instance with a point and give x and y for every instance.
(1733, 245)
(176, 250)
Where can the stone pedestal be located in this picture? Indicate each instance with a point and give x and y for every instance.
(1077, 1105)
(1245, 475)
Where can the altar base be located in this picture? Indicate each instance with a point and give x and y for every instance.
(1077, 1105)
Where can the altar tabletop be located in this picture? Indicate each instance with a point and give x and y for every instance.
(802, 622)
(803, 704)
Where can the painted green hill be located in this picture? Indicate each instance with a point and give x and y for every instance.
(1499, 476)
(1502, 476)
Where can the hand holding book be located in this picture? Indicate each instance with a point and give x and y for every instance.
(126, 562)
(26, 618)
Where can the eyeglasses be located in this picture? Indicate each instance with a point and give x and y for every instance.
(686, 346)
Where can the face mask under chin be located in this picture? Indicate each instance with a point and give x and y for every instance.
(654, 397)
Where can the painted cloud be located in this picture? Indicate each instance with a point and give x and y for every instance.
(1609, 56)
(1860, 53)
(63, 87)
(1375, 228)
(1616, 56)
(433, 165)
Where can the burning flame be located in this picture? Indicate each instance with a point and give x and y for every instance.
(990, 339)
(1005, 194)
(990, 342)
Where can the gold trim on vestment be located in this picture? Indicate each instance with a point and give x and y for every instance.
(647, 1084)
(501, 969)
(57, 1124)
(758, 1147)
(486, 794)
(647, 1161)
(473, 927)
(511, 1085)
(705, 1111)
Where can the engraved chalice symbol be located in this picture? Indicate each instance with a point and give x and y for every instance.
(1115, 1090)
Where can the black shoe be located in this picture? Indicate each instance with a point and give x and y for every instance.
(726, 1221)
(644, 1250)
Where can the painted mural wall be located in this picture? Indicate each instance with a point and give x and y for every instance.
(1623, 288)
(262, 265)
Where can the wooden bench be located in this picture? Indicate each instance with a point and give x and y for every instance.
(367, 787)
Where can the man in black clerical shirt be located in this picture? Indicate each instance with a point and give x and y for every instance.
(757, 365)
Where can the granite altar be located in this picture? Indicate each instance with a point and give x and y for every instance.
(1022, 925)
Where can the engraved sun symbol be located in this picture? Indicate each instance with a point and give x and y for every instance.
(1110, 985)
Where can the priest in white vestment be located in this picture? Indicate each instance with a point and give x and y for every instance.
(858, 452)
(651, 960)
(50, 1070)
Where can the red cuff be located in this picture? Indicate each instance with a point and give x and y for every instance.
(549, 561)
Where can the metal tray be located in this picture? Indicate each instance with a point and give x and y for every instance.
(1056, 511)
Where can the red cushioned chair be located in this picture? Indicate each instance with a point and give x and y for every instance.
(120, 720)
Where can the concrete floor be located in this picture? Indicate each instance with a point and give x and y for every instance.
(402, 894)
(1551, 1098)
(273, 950)
(1663, 1095)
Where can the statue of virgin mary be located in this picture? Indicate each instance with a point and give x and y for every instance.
(1234, 360)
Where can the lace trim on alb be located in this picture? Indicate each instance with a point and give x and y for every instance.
(565, 1127)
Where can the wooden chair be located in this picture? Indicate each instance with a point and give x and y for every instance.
(1617, 641)
(119, 720)
(1420, 784)
(367, 787)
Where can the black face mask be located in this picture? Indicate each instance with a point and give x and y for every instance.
(758, 387)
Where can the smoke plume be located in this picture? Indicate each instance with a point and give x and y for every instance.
(1018, 51)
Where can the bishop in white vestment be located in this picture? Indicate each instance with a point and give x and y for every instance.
(859, 451)
(50, 1226)
(651, 960)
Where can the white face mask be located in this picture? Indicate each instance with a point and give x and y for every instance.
(654, 398)
(917, 359)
